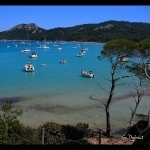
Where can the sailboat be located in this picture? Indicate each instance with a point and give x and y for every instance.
(26, 49)
(82, 52)
(44, 46)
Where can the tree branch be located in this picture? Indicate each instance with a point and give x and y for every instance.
(90, 97)
(103, 89)
(106, 78)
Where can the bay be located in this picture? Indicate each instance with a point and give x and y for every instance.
(57, 92)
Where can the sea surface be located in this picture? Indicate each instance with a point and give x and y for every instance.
(57, 92)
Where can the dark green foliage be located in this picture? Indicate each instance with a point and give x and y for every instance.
(113, 50)
(75, 133)
(52, 133)
(22, 134)
(100, 32)
(137, 128)
(119, 47)
(142, 53)
(142, 117)
(144, 47)
(136, 69)
(56, 134)
(11, 130)
(9, 115)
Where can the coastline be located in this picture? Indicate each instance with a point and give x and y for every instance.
(49, 97)
(34, 114)
(53, 41)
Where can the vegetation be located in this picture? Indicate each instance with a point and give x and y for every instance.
(55, 134)
(100, 32)
(140, 68)
(113, 51)
(14, 133)
(11, 130)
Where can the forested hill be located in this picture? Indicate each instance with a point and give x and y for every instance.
(100, 32)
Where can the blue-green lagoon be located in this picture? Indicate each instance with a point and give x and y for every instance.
(57, 92)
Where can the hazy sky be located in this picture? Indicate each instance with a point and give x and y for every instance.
(49, 17)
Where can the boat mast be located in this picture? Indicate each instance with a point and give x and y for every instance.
(45, 40)
(27, 41)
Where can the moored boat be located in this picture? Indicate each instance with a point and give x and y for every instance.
(83, 51)
(59, 48)
(43, 64)
(80, 54)
(63, 61)
(44, 47)
(88, 74)
(25, 50)
(33, 55)
(123, 59)
(29, 67)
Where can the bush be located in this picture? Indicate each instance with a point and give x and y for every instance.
(52, 133)
(75, 134)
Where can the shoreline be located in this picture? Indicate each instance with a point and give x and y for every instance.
(43, 110)
(52, 41)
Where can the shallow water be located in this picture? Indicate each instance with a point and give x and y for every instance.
(57, 92)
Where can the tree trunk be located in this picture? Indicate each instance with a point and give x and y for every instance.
(134, 111)
(107, 122)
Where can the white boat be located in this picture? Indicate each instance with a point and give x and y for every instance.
(7, 46)
(43, 64)
(63, 61)
(39, 46)
(44, 46)
(84, 48)
(59, 48)
(26, 49)
(88, 74)
(83, 51)
(29, 67)
(33, 55)
(74, 47)
(123, 59)
(15, 45)
(80, 54)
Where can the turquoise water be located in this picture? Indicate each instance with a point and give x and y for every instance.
(57, 92)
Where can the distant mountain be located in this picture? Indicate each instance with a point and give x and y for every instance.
(29, 27)
(19, 32)
(100, 32)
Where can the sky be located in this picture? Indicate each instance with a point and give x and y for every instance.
(49, 17)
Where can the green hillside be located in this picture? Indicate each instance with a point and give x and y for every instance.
(101, 32)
